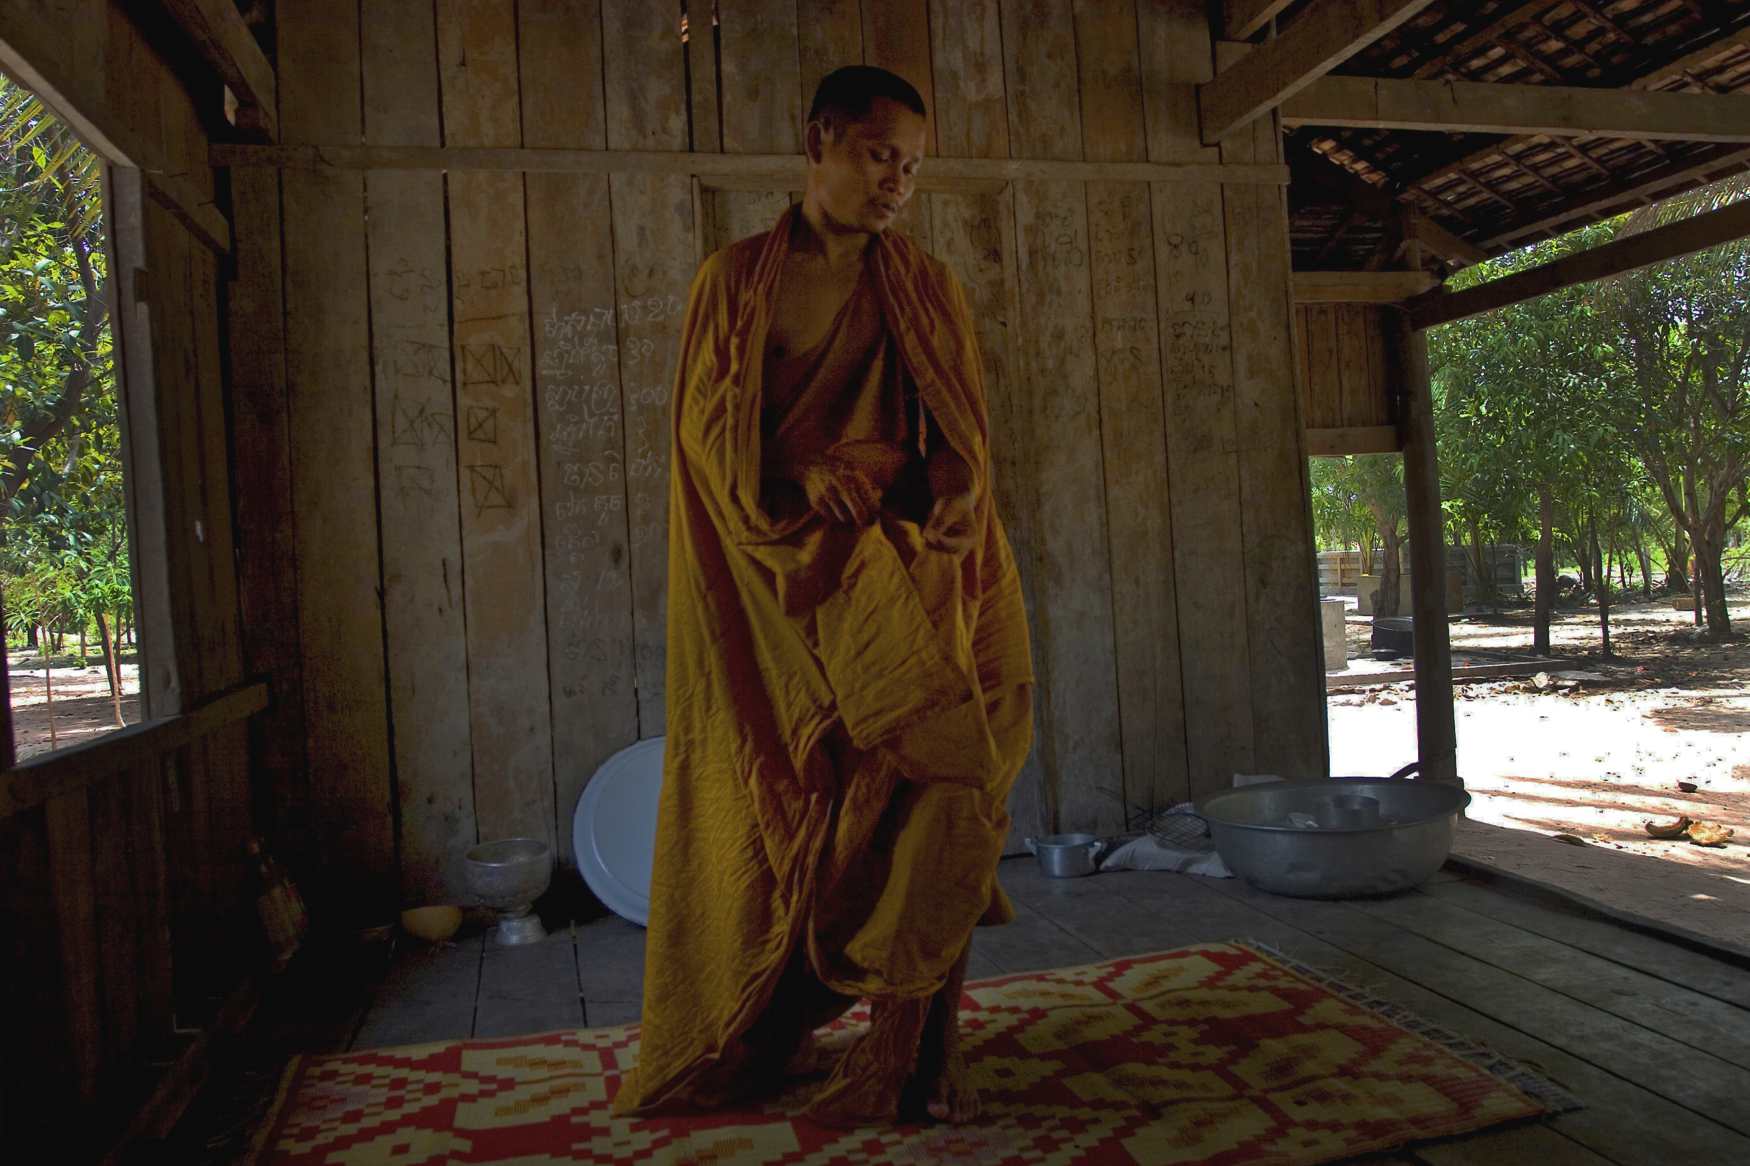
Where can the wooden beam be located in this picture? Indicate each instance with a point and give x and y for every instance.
(1325, 35)
(1360, 287)
(1557, 110)
(1242, 18)
(733, 171)
(1654, 246)
(1461, 252)
(110, 134)
(1436, 729)
(218, 31)
(1359, 439)
(191, 208)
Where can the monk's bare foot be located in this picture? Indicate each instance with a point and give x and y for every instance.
(953, 1098)
(806, 1060)
(941, 1079)
(868, 1083)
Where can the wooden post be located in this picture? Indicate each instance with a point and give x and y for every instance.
(1436, 736)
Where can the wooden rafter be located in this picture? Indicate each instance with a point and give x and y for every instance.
(1652, 77)
(1655, 246)
(1618, 194)
(1242, 18)
(1445, 244)
(1552, 110)
(1326, 34)
(1488, 190)
(731, 171)
(1360, 287)
(1513, 161)
(1350, 217)
(1597, 16)
(1341, 186)
(1686, 64)
(217, 31)
(1481, 37)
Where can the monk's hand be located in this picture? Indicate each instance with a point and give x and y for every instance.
(841, 492)
(951, 522)
(950, 526)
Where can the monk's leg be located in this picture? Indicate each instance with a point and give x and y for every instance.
(868, 1084)
(780, 1044)
(907, 1064)
(942, 1085)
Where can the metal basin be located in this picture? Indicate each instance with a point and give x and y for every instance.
(1407, 843)
(1067, 856)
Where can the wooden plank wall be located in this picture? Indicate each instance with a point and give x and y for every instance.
(126, 914)
(1346, 382)
(1138, 350)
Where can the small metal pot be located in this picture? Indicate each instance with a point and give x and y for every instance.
(1066, 856)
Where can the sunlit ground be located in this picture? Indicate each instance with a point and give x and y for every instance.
(1601, 750)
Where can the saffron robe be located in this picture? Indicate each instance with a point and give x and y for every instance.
(847, 709)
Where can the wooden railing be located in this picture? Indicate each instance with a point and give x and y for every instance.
(125, 922)
(69, 770)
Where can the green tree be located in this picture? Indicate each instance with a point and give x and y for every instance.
(1682, 357)
(56, 362)
(64, 554)
(1516, 392)
(1340, 521)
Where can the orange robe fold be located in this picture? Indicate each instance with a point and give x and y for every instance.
(847, 709)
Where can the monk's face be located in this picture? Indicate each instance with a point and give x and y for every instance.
(862, 176)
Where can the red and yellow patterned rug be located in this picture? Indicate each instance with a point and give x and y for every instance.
(1215, 1053)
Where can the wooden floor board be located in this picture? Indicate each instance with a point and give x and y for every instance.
(1697, 971)
(1699, 1021)
(1525, 1145)
(980, 966)
(610, 963)
(1622, 1119)
(529, 988)
(1459, 957)
(428, 995)
(608, 1013)
(1033, 942)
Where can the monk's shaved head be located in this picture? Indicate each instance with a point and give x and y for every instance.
(847, 95)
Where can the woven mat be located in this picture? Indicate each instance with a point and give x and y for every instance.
(1215, 1053)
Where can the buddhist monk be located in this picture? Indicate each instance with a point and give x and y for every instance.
(849, 677)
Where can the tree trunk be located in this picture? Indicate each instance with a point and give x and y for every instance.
(1546, 569)
(1389, 586)
(1601, 571)
(1711, 587)
(1697, 536)
(48, 687)
(112, 667)
(1485, 575)
(82, 646)
(1646, 566)
(1677, 566)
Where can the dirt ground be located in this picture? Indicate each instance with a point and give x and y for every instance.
(1598, 751)
(82, 707)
